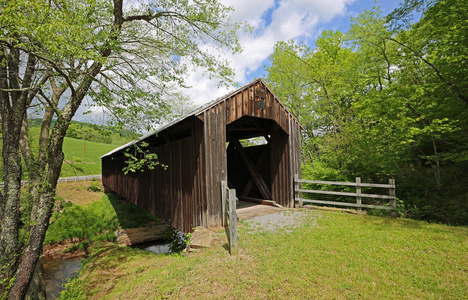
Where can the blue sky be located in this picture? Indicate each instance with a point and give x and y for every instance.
(340, 22)
(273, 21)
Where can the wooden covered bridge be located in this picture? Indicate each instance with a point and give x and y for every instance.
(203, 148)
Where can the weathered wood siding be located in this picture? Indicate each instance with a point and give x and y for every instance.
(255, 101)
(177, 194)
(215, 160)
(188, 193)
(295, 154)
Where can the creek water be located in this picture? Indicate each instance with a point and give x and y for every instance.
(158, 247)
(57, 272)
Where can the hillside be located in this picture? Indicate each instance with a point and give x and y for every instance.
(76, 163)
(92, 132)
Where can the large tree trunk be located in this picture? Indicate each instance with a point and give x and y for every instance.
(1, 205)
(36, 288)
(12, 107)
(9, 229)
(46, 198)
(36, 238)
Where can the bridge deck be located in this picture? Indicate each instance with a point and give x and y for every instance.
(248, 210)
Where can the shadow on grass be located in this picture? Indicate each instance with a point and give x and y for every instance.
(388, 222)
(394, 222)
(130, 215)
(74, 168)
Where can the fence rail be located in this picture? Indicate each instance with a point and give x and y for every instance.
(358, 194)
(64, 179)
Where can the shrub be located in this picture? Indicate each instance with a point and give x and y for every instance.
(95, 186)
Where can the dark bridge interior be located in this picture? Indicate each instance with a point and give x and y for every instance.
(249, 166)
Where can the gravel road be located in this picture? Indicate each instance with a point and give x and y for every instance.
(288, 219)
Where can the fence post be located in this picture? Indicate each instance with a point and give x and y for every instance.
(223, 202)
(232, 222)
(358, 197)
(296, 187)
(392, 192)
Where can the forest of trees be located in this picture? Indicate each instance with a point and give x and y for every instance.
(387, 99)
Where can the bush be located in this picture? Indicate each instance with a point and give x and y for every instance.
(178, 241)
(95, 186)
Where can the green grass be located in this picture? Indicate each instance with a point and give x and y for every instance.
(76, 164)
(96, 221)
(333, 256)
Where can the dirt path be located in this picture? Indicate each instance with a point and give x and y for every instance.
(76, 192)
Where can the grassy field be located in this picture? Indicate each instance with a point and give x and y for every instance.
(76, 164)
(332, 256)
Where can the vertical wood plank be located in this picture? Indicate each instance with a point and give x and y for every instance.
(251, 102)
(245, 100)
(224, 189)
(216, 157)
(181, 186)
(297, 150)
(196, 179)
(296, 187)
(238, 106)
(233, 223)
(268, 99)
(228, 110)
(392, 192)
(242, 100)
(358, 197)
(208, 166)
(219, 168)
(289, 176)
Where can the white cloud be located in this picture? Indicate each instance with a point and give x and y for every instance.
(248, 10)
(272, 21)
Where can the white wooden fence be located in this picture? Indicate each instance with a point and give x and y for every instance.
(65, 179)
(358, 194)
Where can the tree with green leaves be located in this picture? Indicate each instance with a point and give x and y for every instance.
(53, 54)
(318, 85)
(388, 99)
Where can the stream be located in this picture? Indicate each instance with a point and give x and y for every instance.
(158, 247)
(58, 271)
